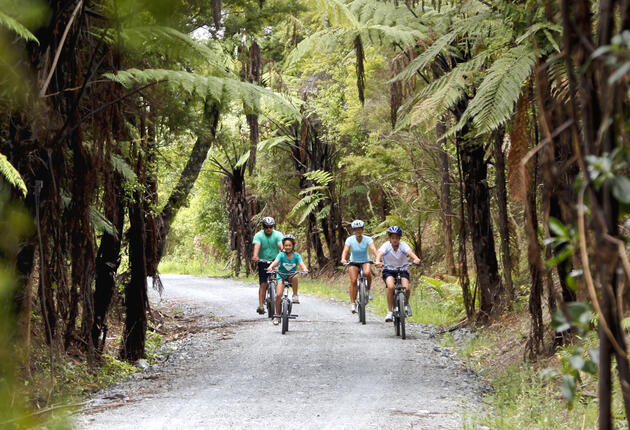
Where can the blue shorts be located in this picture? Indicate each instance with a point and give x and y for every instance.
(387, 273)
(262, 272)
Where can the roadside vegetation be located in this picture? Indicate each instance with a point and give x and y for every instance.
(140, 137)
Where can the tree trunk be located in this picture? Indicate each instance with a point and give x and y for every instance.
(108, 259)
(504, 228)
(446, 211)
(478, 210)
(136, 289)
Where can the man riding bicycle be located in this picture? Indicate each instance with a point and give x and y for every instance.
(394, 253)
(358, 245)
(267, 242)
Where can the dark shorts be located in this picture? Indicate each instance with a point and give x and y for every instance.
(387, 273)
(262, 272)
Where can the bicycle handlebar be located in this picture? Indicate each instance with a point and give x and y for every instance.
(260, 260)
(399, 268)
(273, 272)
(357, 262)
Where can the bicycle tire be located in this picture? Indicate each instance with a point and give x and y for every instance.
(401, 318)
(271, 299)
(362, 302)
(285, 316)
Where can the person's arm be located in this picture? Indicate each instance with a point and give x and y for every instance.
(379, 257)
(273, 265)
(344, 254)
(413, 256)
(373, 249)
(302, 266)
(256, 251)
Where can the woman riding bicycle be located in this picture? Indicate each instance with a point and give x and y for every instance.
(358, 245)
(287, 262)
(267, 242)
(394, 253)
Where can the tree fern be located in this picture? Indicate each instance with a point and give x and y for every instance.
(16, 27)
(123, 169)
(440, 45)
(222, 89)
(11, 175)
(499, 91)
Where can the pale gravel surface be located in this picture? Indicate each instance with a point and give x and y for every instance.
(328, 371)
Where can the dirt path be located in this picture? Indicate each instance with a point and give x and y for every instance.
(327, 372)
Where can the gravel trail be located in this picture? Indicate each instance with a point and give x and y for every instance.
(328, 371)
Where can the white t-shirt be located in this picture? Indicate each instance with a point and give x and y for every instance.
(394, 258)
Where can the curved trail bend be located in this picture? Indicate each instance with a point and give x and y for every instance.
(328, 371)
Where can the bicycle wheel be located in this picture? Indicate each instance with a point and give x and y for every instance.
(401, 316)
(362, 301)
(271, 299)
(285, 316)
(397, 325)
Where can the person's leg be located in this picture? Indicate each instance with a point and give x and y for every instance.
(262, 291)
(279, 292)
(353, 271)
(294, 284)
(405, 283)
(367, 271)
(390, 282)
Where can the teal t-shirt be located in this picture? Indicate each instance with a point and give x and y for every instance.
(359, 251)
(268, 244)
(287, 265)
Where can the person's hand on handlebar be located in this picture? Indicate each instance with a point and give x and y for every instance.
(344, 261)
(416, 261)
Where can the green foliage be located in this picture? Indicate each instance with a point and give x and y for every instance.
(11, 175)
(15, 26)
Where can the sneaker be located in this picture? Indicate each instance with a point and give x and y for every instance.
(260, 310)
(353, 308)
(370, 294)
(296, 299)
(408, 310)
(389, 317)
(276, 321)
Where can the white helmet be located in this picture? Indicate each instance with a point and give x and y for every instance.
(357, 223)
(268, 221)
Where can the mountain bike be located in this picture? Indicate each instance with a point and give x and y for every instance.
(270, 297)
(400, 301)
(363, 292)
(285, 304)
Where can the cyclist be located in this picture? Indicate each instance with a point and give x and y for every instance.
(358, 245)
(394, 253)
(287, 261)
(267, 242)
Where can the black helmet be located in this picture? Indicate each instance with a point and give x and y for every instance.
(289, 237)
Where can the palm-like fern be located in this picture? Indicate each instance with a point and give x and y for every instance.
(313, 196)
(223, 90)
(16, 27)
(11, 175)
(499, 91)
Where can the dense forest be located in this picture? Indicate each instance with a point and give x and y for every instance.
(494, 132)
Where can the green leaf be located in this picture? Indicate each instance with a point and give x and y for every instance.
(559, 322)
(244, 159)
(567, 387)
(16, 27)
(559, 229)
(577, 362)
(11, 175)
(621, 189)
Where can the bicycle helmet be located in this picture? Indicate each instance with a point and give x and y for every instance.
(357, 223)
(289, 237)
(268, 221)
(394, 230)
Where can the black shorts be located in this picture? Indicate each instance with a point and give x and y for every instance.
(262, 272)
(387, 273)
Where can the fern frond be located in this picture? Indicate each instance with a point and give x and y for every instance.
(16, 27)
(440, 45)
(123, 169)
(100, 223)
(501, 88)
(322, 41)
(221, 89)
(320, 177)
(11, 175)
(337, 12)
